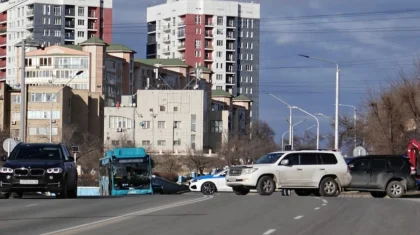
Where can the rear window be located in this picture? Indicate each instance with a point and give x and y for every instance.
(36, 153)
(328, 159)
(399, 164)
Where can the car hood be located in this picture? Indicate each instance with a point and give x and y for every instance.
(32, 164)
(253, 166)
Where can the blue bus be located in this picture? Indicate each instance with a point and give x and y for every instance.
(124, 171)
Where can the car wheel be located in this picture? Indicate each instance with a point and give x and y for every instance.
(17, 195)
(328, 187)
(266, 186)
(63, 193)
(239, 190)
(378, 194)
(73, 193)
(303, 192)
(395, 189)
(208, 188)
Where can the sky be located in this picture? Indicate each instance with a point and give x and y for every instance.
(370, 40)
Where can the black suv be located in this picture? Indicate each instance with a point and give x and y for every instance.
(381, 175)
(39, 168)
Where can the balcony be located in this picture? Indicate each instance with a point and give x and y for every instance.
(208, 47)
(30, 25)
(209, 24)
(92, 27)
(230, 59)
(69, 37)
(166, 50)
(181, 47)
(209, 35)
(231, 37)
(166, 38)
(208, 58)
(69, 12)
(181, 35)
(2, 64)
(3, 31)
(30, 13)
(91, 14)
(166, 27)
(181, 24)
(3, 18)
(230, 48)
(230, 24)
(230, 70)
(69, 24)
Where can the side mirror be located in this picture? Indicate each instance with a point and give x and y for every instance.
(285, 162)
(3, 158)
(70, 159)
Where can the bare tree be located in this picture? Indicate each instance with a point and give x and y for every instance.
(167, 163)
(198, 161)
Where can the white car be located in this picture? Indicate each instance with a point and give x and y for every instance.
(307, 172)
(209, 184)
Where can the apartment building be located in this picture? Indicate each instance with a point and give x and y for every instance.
(51, 22)
(72, 111)
(106, 68)
(222, 36)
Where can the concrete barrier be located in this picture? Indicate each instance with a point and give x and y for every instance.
(88, 191)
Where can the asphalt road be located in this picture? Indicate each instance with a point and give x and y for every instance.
(223, 213)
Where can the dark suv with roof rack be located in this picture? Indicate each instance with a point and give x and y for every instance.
(381, 175)
(40, 167)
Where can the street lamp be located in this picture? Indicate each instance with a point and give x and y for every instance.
(290, 119)
(282, 137)
(325, 116)
(52, 98)
(317, 124)
(355, 121)
(337, 94)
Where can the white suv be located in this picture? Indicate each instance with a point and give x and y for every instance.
(318, 172)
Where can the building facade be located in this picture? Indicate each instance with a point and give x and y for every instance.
(50, 22)
(72, 111)
(222, 36)
(106, 68)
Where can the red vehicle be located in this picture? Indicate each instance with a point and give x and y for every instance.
(413, 156)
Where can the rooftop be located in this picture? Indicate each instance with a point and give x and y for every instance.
(164, 62)
(220, 93)
(241, 98)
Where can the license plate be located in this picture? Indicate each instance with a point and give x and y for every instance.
(28, 181)
(231, 180)
(132, 192)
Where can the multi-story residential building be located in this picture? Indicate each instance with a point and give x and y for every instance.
(72, 111)
(107, 68)
(49, 22)
(222, 36)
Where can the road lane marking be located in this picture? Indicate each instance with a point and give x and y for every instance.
(31, 205)
(298, 217)
(318, 198)
(324, 204)
(316, 208)
(324, 201)
(141, 212)
(270, 231)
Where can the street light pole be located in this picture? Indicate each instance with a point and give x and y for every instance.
(354, 119)
(52, 98)
(325, 116)
(22, 93)
(282, 137)
(290, 119)
(317, 124)
(337, 95)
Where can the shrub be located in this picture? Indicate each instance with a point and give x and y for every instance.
(88, 180)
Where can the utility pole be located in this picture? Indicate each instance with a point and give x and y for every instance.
(22, 93)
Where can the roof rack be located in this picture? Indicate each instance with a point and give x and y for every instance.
(334, 150)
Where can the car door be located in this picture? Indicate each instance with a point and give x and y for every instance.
(360, 173)
(69, 166)
(220, 180)
(380, 173)
(289, 175)
(310, 169)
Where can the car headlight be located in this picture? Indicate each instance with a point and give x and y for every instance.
(56, 170)
(249, 170)
(6, 170)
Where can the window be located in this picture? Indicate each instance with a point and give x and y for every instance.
(15, 116)
(219, 77)
(146, 124)
(161, 124)
(360, 165)
(34, 115)
(57, 10)
(193, 122)
(177, 142)
(120, 122)
(220, 20)
(197, 43)
(328, 159)
(197, 19)
(396, 163)
(80, 22)
(216, 126)
(162, 108)
(197, 53)
(220, 32)
(177, 124)
(192, 142)
(57, 21)
(161, 142)
(42, 131)
(175, 109)
(80, 34)
(145, 142)
(379, 164)
(57, 33)
(81, 11)
(219, 42)
(42, 97)
(15, 99)
(308, 159)
(293, 159)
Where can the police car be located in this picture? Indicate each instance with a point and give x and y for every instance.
(209, 184)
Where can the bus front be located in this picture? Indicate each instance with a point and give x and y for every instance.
(132, 175)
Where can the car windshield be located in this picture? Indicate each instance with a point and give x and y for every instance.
(36, 153)
(136, 175)
(269, 158)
